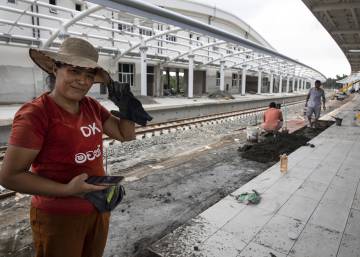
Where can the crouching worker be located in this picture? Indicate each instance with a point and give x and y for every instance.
(273, 119)
(58, 136)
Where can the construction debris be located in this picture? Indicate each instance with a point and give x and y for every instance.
(221, 95)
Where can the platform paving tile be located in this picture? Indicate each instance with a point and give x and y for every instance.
(299, 172)
(224, 210)
(350, 246)
(299, 207)
(248, 223)
(222, 243)
(261, 183)
(273, 199)
(342, 196)
(353, 224)
(316, 241)
(312, 189)
(280, 233)
(183, 240)
(288, 184)
(356, 202)
(343, 181)
(256, 250)
(330, 215)
(350, 169)
(323, 174)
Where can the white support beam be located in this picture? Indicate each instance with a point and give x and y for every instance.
(287, 84)
(195, 49)
(225, 57)
(293, 84)
(259, 82)
(222, 76)
(191, 76)
(249, 60)
(67, 24)
(156, 36)
(243, 81)
(271, 90)
(143, 71)
(280, 83)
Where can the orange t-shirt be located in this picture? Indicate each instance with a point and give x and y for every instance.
(272, 116)
(69, 144)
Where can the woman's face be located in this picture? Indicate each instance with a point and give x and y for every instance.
(73, 83)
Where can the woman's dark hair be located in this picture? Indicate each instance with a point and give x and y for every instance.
(50, 81)
(272, 105)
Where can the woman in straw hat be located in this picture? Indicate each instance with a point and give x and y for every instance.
(59, 135)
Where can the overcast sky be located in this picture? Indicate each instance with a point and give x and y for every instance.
(291, 29)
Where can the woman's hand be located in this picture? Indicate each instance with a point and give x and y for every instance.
(78, 187)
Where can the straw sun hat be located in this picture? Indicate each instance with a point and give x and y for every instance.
(73, 51)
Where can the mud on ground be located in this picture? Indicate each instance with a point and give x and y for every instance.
(271, 146)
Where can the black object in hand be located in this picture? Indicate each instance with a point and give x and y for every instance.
(104, 180)
(130, 108)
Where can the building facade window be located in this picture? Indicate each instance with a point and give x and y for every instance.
(218, 78)
(170, 38)
(234, 79)
(52, 10)
(125, 27)
(11, 1)
(145, 32)
(78, 7)
(126, 73)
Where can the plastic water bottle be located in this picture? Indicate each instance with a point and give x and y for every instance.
(283, 163)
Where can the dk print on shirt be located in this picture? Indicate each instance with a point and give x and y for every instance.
(90, 155)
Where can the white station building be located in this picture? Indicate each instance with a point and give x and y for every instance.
(160, 47)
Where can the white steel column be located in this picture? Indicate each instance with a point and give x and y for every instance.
(243, 81)
(222, 76)
(191, 76)
(271, 83)
(287, 84)
(302, 85)
(143, 70)
(259, 82)
(293, 84)
(280, 84)
(298, 84)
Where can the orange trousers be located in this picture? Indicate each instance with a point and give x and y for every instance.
(79, 235)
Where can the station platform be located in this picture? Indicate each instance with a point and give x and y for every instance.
(7, 112)
(313, 210)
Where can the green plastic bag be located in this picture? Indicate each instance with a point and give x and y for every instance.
(249, 198)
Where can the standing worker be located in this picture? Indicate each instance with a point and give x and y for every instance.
(58, 136)
(273, 119)
(313, 103)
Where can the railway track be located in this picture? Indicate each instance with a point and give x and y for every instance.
(183, 124)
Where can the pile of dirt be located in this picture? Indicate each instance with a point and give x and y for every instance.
(221, 95)
(271, 147)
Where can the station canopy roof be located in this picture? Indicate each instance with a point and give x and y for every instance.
(120, 28)
(342, 20)
(353, 78)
